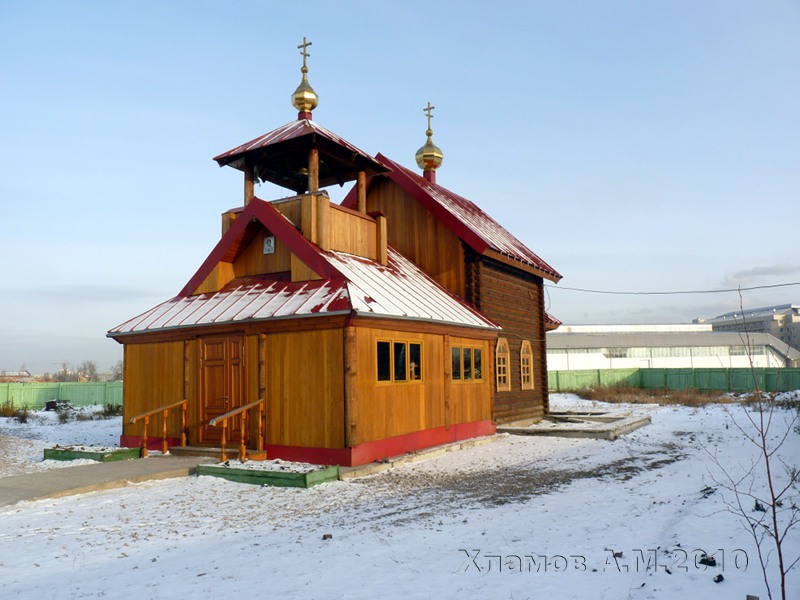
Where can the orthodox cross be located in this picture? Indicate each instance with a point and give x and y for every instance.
(305, 54)
(428, 110)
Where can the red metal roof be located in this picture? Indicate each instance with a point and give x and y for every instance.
(550, 322)
(290, 131)
(399, 290)
(464, 218)
(282, 155)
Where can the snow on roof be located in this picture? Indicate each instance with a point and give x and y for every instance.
(402, 290)
(399, 290)
(779, 310)
(465, 218)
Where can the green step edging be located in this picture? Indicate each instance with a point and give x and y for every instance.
(111, 456)
(276, 478)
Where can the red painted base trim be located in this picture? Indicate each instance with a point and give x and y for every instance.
(372, 451)
(135, 441)
(362, 453)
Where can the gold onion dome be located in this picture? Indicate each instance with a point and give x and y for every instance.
(429, 157)
(305, 99)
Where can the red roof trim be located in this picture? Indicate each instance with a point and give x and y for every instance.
(294, 130)
(457, 214)
(283, 230)
(413, 189)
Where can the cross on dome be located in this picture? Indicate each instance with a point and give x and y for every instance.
(304, 99)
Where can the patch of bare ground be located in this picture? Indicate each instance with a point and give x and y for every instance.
(438, 493)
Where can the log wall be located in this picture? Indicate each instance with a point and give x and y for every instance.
(517, 305)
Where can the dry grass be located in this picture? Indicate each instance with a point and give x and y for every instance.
(7, 409)
(630, 395)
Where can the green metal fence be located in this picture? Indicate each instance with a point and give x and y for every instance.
(725, 380)
(36, 395)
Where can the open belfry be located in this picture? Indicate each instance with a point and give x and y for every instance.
(403, 318)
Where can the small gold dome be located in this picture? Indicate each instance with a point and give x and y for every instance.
(305, 99)
(429, 157)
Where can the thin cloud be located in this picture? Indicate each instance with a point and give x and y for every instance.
(749, 276)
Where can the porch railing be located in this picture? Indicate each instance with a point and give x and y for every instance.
(164, 410)
(244, 411)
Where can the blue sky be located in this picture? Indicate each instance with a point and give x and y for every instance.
(636, 146)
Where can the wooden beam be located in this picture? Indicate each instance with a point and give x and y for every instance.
(249, 187)
(381, 240)
(323, 221)
(350, 387)
(227, 220)
(308, 218)
(362, 192)
(448, 380)
(313, 170)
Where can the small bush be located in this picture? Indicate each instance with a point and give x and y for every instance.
(22, 414)
(111, 410)
(63, 416)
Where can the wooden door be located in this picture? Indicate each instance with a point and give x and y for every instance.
(222, 385)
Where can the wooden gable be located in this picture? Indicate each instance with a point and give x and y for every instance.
(301, 227)
(419, 235)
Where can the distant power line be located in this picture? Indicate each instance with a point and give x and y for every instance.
(674, 293)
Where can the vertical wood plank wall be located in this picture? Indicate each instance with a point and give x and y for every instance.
(154, 377)
(352, 233)
(472, 399)
(305, 388)
(388, 409)
(253, 261)
(417, 234)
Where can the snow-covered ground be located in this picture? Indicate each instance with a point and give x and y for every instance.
(22, 444)
(458, 525)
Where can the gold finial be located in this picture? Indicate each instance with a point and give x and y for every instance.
(304, 99)
(429, 157)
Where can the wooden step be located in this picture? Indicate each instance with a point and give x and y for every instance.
(230, 451)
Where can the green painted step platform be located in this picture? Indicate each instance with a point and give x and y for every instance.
(276, 478)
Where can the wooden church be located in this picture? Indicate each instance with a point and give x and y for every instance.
(403, 318)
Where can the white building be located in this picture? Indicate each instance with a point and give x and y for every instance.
(781, 321)
(580, 347)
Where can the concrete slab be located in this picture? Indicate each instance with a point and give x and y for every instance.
(67, 481)
(589, 424)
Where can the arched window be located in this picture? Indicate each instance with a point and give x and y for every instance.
(501, 366)
(526, 365)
